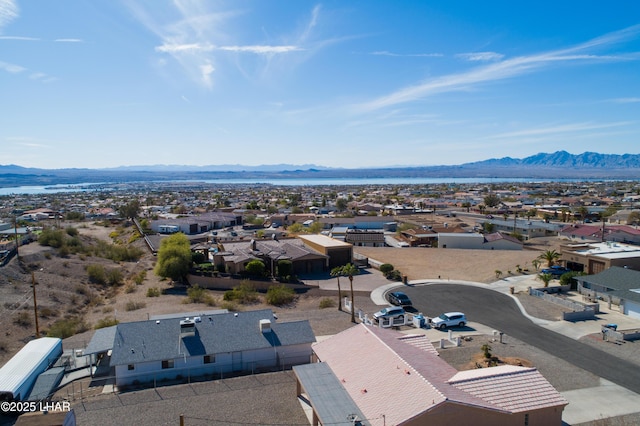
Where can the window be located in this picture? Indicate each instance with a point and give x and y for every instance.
(131, 367)
(167, 364)
(526, 419)
(209, 359)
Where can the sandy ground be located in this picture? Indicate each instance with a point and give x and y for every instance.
(458, 264)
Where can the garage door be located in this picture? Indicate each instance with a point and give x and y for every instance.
(632, 309)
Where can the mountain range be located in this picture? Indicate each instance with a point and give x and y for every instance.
(557, 165)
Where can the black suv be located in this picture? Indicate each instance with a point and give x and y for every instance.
(398, 298)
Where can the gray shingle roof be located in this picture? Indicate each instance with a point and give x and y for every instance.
(222, 333)
(620, 280)
(101, 341)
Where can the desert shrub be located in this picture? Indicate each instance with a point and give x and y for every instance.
(106, 322)
(117, 253)
(280, 295)
(94, 300)
(114, 277)
(139, 277)
(67, 327)
(97, 274)
(244, 293)
(229, 305)
(385, 268)
(51, 238)
(153, 292)
(23, 319)
(131, 288)
(394, 275)
(47, 312)
(327, 302)
(76, 216)
(197, 294)
(71, 231)
(82, 289)
(134, 306)
(107, 309)
(64, 251)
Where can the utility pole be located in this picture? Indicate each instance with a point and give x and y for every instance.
(15, 231)
(35, 304)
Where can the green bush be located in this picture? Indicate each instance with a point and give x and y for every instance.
(394, 275)
(97, 274)
(114, 277)
(153, 292)
(51, 238)
(244, 293)
(71, 231)
(279, 295)
(106, 322)
(255, 268)
(67, 327)
(385, 268)
(139, 277)
(197, 294)
(285, 268)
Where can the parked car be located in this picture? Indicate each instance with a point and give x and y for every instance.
(449, 319)
(390, 312)
(556, 270)
(398, 298)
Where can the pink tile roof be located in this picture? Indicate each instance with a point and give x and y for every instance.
(401, 376)
(509, 387)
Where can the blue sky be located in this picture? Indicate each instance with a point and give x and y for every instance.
(106, 83)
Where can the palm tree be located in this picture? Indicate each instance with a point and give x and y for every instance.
(545, 278)
(350, 270)
(550, 256)
(337, 272)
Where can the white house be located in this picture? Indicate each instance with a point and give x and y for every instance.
(174, 348)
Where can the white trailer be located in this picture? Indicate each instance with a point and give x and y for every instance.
(19, 374)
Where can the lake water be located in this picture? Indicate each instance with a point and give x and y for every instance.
(93, 187)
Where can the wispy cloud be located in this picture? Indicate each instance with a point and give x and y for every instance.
(625, 100)
(8, 12)
(202, 41)
(17, 69)
(480, 56)
(68, 40)
(20, 38)
(207, 47)
(501, 70)
(407, 55)
(560, 129)
(26, 141)
(11, 68)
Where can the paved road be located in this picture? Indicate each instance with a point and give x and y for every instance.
(500, 312)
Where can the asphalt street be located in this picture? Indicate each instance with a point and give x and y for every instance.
(500, 312)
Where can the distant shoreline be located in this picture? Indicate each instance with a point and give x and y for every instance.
(127, 185)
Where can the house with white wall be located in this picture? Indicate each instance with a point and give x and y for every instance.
(217, 344)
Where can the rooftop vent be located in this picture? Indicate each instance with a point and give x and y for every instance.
(265, 325)
(187, 327)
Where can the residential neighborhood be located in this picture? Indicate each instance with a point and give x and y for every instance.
(302, 238)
